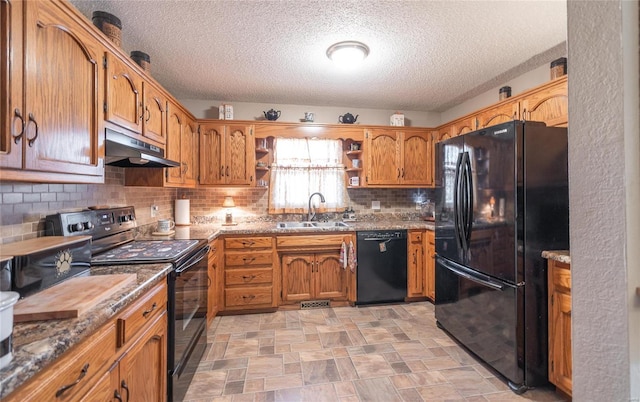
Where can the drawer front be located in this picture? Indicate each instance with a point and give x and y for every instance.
(141, 312)
(248, 276)
(312, 241)
(247, 243)
(415, 237)
(75, 371)
(248, 259)
(561, 276)
(248, 297)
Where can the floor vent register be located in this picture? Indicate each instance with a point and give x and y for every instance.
(305, 305)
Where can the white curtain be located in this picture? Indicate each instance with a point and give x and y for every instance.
(302, 167)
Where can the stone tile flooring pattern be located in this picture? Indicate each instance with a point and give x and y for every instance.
(379, 353)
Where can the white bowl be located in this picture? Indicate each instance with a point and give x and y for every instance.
(7, 300)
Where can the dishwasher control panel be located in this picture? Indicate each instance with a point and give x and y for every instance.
(383, 235)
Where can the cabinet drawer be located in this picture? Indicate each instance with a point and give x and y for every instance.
(248, 259)
(79, 367)
(561, 276)
(248, 276)
(311, 241)
(247, 243)
(415, 237)
(141, 312)
(253, 296)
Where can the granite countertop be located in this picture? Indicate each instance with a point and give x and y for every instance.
(557, 255)
(37, 344)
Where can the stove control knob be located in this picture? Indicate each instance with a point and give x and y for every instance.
(124, 218)
(76, 227)
(131, 217)
(88, 225)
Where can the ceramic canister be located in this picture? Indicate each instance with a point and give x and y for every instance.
(7, 300)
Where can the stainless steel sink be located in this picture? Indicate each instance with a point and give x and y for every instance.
(294, 225)
(330, 224)
(297, 225)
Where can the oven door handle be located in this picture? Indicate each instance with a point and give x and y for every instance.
(194, 260)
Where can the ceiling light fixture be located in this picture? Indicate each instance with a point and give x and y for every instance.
(348, 54)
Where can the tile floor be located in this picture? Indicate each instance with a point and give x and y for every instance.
(380, 353)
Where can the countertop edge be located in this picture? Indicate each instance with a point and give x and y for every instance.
(557, 255)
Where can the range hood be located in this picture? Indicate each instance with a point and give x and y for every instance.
(124, 151)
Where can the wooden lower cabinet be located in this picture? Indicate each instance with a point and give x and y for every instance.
(126, 359)
(213, 271)
(560, 356)
(416, 264)
(249, 276)
(430, 264)
(313, 276)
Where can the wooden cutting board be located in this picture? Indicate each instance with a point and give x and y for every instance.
(71, 298)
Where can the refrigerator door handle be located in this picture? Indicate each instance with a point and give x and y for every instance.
(469, 196)
(453, 267)
(457, 190)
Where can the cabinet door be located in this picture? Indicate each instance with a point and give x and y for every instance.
(175, 123)
(430, 266)
(239, 155)
(189, 152)
(330, 281)
(561, 364)
(12, 114)
(62, 81)
(106, 388)
(211, 154)
(155, 108)
(214, 269)
(297, 272)
(124, 95)
(464, 126)
(415, 266)
(549, 105)
(416, 159)
(143, 368)
(383, 156)
(499, 114)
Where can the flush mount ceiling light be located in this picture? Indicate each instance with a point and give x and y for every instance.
(348, 54)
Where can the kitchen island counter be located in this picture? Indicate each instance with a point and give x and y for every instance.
(37, 344)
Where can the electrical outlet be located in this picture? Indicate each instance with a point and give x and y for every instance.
(375, 205)
(154, 211)
(418, 206)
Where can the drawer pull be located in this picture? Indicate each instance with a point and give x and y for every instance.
(124, 385)
(83, 373)
(248, 259)
(147, 312)
(248, 278)
(250, 297)
(248, 243)
(117, 395)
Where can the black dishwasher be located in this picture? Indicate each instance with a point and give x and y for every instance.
(382, 266)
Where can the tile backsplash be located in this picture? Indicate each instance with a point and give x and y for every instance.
(24, 206)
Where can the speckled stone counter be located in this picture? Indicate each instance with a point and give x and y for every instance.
(37, 344)
(557, 255)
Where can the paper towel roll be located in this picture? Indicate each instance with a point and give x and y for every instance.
(183, 213)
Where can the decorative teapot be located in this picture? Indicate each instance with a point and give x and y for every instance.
(347, 118)
(272, 114)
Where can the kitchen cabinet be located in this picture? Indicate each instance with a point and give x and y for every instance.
(311, 268)
(548, 104)
(354, 174)
(213, 272)
(560, 355)
(501, 113)
(181, 146)
(463, 126)
(416, 264)
(263, 158)
(227, 154)
(398, 158)
(126, 356)
(133, 103)
(52, 77)
(249, 275)
(430, 264)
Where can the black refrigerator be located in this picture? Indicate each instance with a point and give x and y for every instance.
(503, 199)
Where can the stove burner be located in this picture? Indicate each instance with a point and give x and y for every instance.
(145, 251)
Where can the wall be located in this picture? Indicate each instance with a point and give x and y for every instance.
(208, 109)
(603, 158)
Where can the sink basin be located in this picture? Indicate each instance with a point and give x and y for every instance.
(294, 225)
(330, 224)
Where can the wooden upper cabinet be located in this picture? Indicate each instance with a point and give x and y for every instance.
(55, 122)
(549, 104)
(416, 159)
(501, 113)
(226, 154)
(398, 158)
(12, 115)
(155, 108)
(189, 154)
(175, 122)
(383, 156)
(123, 104)
(463, 126)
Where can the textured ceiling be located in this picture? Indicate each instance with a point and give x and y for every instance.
(425, 55)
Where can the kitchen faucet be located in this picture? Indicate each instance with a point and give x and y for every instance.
(312, 215)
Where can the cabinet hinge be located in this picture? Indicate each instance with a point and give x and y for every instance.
(104, 62)
(552, 369)
(199, 129)
(366, 134)
(166, 174)
(104, 107)
(552, 299)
